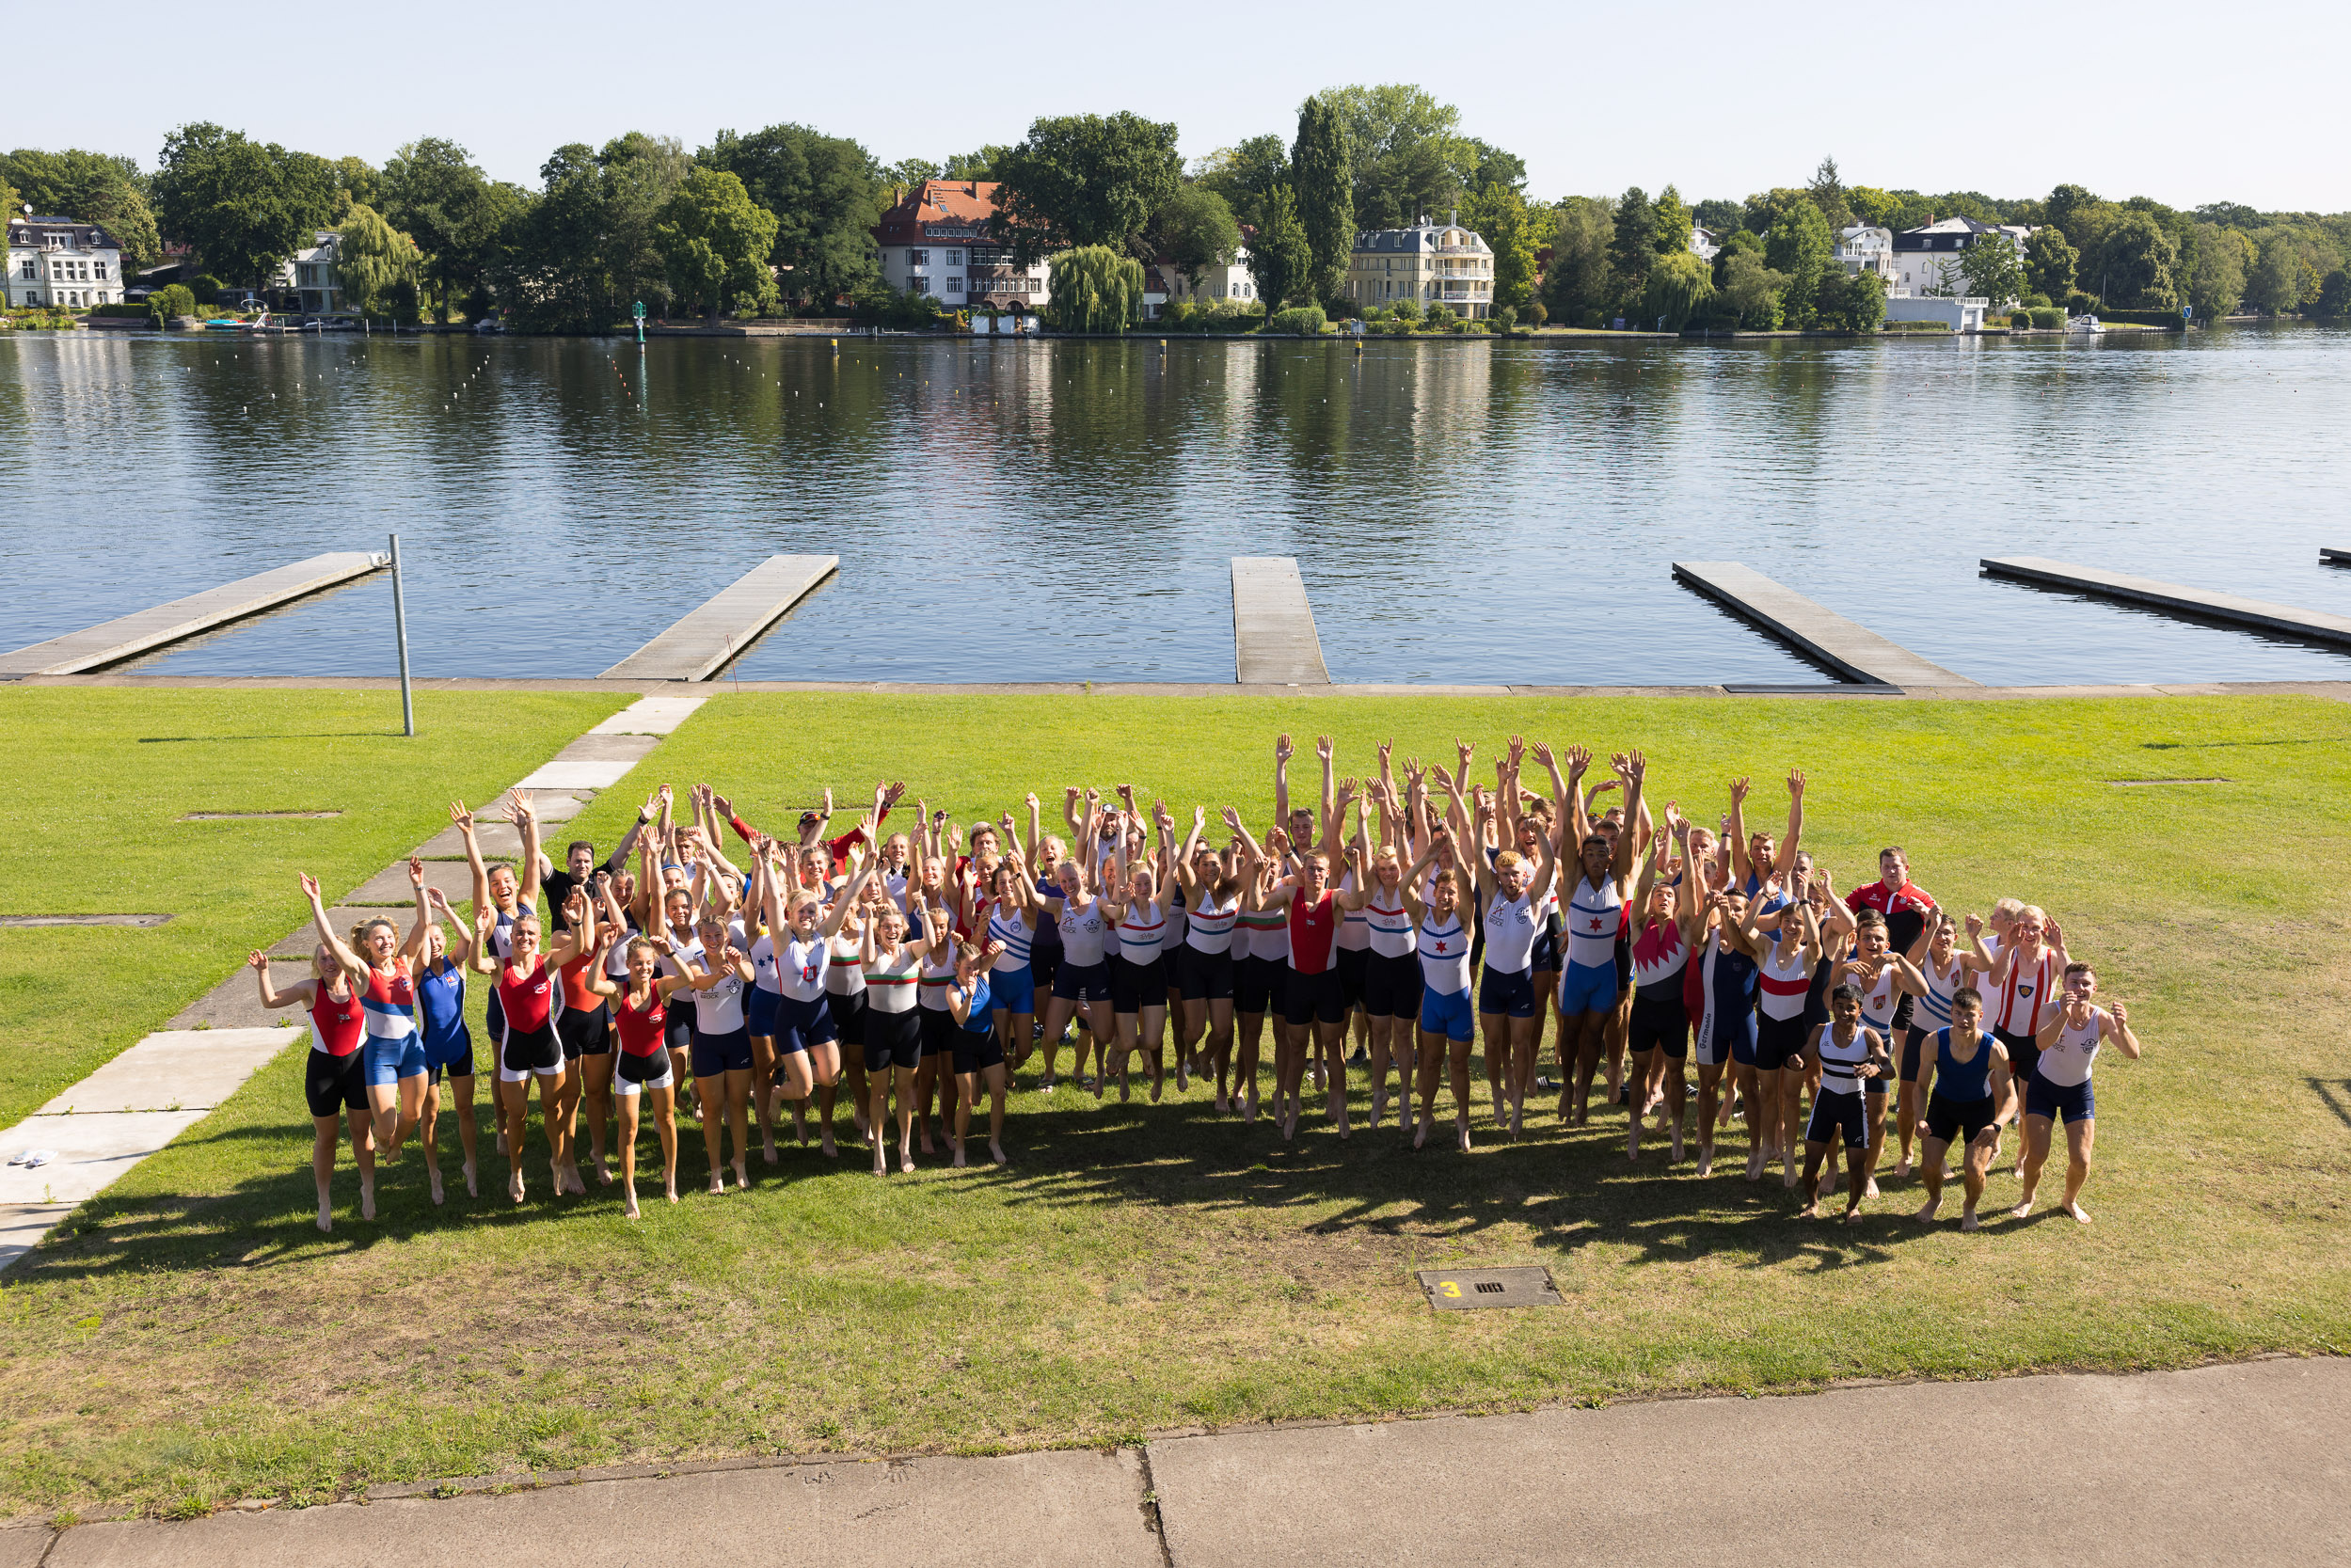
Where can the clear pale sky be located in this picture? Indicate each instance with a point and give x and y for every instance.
(1720, 99)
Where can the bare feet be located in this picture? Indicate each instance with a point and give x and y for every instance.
(718, 1181)
(959, 1154)
(326, 1216)
(433, 1179)
(1969, 1222)
(2074, 1212)
(1927, 1209)
(1461, 1133)
(1853, 1216)
(905, 1156)
(1754, 1164)
(1902, 1166)
(829, 1150)
(473, 1187)
(367, 1197)
(1810, 1210)
(742, 1176)
(880, 1160)
(1870, 1190)
(1706, 1159)
(995, 1152)
(670, 1192)
(2023, 1210)
(628, 1204)
(513, 1185)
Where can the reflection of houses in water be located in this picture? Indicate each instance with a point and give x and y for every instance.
(1435, 396)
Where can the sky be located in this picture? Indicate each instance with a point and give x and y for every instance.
(1719, 99)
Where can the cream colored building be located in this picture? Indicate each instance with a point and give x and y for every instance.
(1434, 264)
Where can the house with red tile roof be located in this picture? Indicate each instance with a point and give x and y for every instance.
(934, 240)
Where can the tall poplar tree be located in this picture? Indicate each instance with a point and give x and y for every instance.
(1322, 178)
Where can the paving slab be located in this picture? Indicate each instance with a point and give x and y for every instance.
(499, 841)
(1848, 647)
(703, 641)
(21, 1227)
(2292, 620)
(558, 806)
(91, 1150)
(650, 716)
(298, 943)
(390, 886)
(174, 1070)
(235, 1003)
(2242, 1464)
(112, 642)
(1274, 641)
(1078, 1510)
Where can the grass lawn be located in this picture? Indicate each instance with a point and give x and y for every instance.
(193, 1339)
(99, 780)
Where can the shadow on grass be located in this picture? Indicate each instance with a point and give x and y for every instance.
(1566, 1190)
(2337, 1096)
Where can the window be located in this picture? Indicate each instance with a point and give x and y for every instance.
(918, 257)
(102, 269)
(955, 258)
(954, 285)
(30, 268)
(922, 285)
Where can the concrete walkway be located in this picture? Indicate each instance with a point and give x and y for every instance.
(168, 1082)
(2246, 1465)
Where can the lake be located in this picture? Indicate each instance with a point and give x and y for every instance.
(1005, 510)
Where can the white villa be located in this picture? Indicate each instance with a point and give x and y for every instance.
(1436, 263)
(57, 262)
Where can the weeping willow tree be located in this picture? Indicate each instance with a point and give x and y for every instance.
(373, 261)
(1094, 289)
(1678, 285)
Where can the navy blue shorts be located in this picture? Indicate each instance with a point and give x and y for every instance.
(715, 1053)
(2060, 1102)
(1512, 993)
(798, 1025)
(451, 1055)
(1833, 1111)
(759, 1011)
(1082, 982)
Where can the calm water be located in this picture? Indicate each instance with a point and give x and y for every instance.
(1034, 511)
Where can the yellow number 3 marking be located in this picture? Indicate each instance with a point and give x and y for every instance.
(1450, 1287)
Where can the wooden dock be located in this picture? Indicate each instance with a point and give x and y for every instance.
(2286, 619)
(1274, 641)
(112, 642)
(1848, 647)
(702, 643)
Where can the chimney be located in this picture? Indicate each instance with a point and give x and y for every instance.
(1453, 216)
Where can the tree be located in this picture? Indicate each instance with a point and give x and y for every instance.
(903, 175)
(1498, 214)
(1878, 209)
(1632, 246)
(1673, 222)
(372, 259)
(357, 180)
(981, 164)
(87, 187)
(1322, 175)
(2334, 295)
(1849, 302)
(715, 245)
(1799, 248)
(2134, 265)
(1762, 213)
(550, 269)
(2222, 259)
(1827, 190)
(1245, 174)
(244, 205)
(1095, 288)
(637, 175)
(2275, 285)
(1195, 230)
(1677, 286)
(1280, 261)
(1716, 216)
(434, 192)
(1992, 269)
(1409, 158)
(1750, 290)
(1491, 167)
(821, 190)
(1085, 180)
(2049, 263)
(1578, 287)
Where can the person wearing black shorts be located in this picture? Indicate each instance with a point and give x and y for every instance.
(1203, 963)
(979, 1056)
(334, 1081)
(1972, 1097)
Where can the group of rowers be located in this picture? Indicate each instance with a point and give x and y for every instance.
(917, 968)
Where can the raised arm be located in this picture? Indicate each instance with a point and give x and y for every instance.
(460, 938)
(1327, 818)
(272, 998)
(1281, 778)
(1740, 868)
(352, 963)
(1787, 859)
(1636, 769)
(464, 819)
(525, 816)
(2119, 1031)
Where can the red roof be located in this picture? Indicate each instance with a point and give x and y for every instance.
(939, 209)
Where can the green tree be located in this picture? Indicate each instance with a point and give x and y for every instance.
(1717, 216)
(1245, 174)
(2134, 265)
(1799, 248)
(1632, 246)
(2275, 285)
(2334, 295)
(1673, 222)
(637, 173)
(1827, 190)
(905, 175)
(981, 164)
(372, 259)
(715, 244)
(1095, 288)
(1749, 290)
(1195, 230)
(244, 205)
(1762, 213)
(358, 181)
(9, 199)
(2049, 262)
(89, 188)
(1280, 261)
(1086, 180)
(821, 190)
(1498, 214)
(434, 192)
(1878, 209)
(1993, 270)
(1849, 302)
(1579, 285)
(1678, 285)
(1491, 166)
(2222, 259)
(1409, 157)
(550, 267)
(1322, 175)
